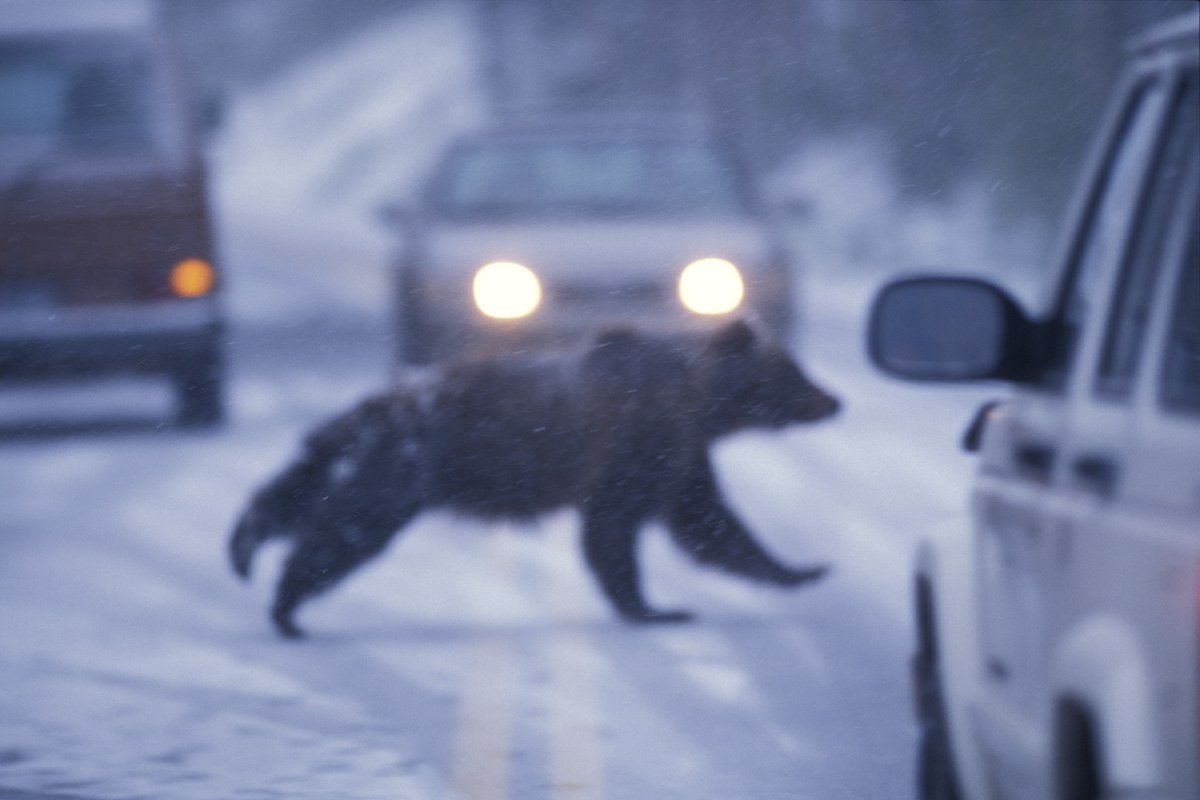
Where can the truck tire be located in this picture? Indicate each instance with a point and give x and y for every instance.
(415, 344)
(1077, 758)
(937, 778)
(200, 393)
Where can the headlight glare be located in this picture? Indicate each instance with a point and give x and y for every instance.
(506, 290)
(711, 286)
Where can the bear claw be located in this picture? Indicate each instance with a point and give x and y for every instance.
(287, 629)
(798, 577)
(649, 617)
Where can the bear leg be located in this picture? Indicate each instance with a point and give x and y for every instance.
(704, 526)
(318, 562)
(610, 548)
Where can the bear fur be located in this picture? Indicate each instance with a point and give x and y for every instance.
(620, 430)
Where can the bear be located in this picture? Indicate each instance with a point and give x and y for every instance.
(620, 429)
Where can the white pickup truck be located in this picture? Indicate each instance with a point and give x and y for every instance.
(1058, 649)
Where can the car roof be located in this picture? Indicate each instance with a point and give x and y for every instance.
(1180, 32)
(40, 17)
(595, 125)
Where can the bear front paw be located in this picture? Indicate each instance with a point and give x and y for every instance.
(286, 627)
(798, 576)
(650, 617)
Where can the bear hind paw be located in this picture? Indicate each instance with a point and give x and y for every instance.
(798, 576)
(651, 617)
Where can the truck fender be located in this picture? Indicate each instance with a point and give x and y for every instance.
(1101, 666)
(945, 562)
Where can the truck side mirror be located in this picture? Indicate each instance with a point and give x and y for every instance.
(948, 329)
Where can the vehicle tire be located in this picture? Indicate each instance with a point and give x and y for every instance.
(200, 393)
(935, 773)
(937, 777)
(415, 344)
(1077, 760)
(778, 318)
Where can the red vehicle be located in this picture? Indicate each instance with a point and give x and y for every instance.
(106, 252)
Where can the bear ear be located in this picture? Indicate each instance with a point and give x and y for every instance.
(736, 338)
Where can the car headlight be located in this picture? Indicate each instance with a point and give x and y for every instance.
(506, 290)
(711, 286)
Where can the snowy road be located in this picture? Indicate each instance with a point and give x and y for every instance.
(468, 662)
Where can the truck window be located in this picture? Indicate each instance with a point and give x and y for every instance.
(1103, 228)
(1180, 390)
(1134, 291)
(76, 94)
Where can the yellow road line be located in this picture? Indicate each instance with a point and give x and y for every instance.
(574, 717)
(484, 728)
(483, 741)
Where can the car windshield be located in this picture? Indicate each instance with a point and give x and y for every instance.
(81, 95)
(586, 178)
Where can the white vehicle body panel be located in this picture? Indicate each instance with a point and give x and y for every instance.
(1075, 587)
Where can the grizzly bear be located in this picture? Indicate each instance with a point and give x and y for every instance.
(620, 430)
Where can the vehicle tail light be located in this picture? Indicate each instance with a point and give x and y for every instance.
(192, 277)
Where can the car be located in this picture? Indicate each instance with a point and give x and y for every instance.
(1058, 632)
(541, 228)
(106, 244)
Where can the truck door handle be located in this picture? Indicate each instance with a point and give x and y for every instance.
(972, 438)
(1099, 473)
(1036, 459)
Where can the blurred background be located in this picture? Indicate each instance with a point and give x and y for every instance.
(920, 133)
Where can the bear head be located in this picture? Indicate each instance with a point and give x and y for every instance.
(752, 382)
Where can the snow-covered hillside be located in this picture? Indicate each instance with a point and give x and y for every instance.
(305, 161)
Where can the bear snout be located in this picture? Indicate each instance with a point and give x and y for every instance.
(818, 405)
(832, 406)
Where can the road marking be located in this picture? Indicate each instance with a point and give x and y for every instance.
(574, 718)
(491, 681)
(483, 741)
(483, 734)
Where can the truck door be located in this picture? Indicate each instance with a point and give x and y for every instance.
(1117, 514)
(1022, 461)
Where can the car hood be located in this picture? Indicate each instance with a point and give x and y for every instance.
(595, 251)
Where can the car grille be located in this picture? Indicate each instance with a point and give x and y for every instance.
(610, 296)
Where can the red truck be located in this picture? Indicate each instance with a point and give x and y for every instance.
(106, 248)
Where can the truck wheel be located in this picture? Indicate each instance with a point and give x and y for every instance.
(937, 778)
(935, 774)
(415, 344)
(1077, 761)
(200, 393)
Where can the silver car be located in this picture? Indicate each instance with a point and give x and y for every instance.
(533, 234)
